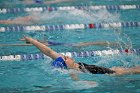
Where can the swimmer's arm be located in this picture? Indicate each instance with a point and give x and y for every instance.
(56, 1)
(44, 42)
(6, 21)
(16, 44)
(74, 76)
(95, 43)
(45, 49)
(25, 18)
(134, 70)
(122, 71)
(18, 20)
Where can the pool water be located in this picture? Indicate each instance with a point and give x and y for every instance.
(37, 76)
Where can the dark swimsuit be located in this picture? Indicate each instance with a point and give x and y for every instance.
(94, 69)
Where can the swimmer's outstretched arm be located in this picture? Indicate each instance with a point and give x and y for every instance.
(134, 70)
(16, 44)
(95, 43)
(6, 21)
(122, 71)
(45, 49)
(19, 20)
(56, 1)
(45, 1)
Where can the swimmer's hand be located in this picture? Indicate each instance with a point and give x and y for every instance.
(29, 40)
(22, 39)
(25, 39)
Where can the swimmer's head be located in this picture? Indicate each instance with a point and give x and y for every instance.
(59, 63)
(69, 62)
(64, 62)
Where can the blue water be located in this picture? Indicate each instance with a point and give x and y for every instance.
(37, 76)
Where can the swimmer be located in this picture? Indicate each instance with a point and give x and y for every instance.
(19, 20)
(44, 1)
(81, 44)
(28, 20)
(65, 62)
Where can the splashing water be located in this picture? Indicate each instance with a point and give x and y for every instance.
(123, 39)
(81, 16)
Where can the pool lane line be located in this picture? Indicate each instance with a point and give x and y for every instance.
(46, 27)
(92, 53)
(66, 8)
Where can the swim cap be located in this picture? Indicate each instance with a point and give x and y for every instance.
(59, 63)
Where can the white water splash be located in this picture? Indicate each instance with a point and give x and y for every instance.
(84, 84)
(76, 16)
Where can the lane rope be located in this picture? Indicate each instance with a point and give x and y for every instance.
(37, 56)
(69, 26)
(66, 8)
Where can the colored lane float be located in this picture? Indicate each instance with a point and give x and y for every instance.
(26, 57)
(69, 26)
(67, 8)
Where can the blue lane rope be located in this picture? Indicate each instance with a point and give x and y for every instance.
(26, 57)
(69, 26)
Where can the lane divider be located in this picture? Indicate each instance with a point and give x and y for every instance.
(69, 26)
(26, 57)
(67, 8)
